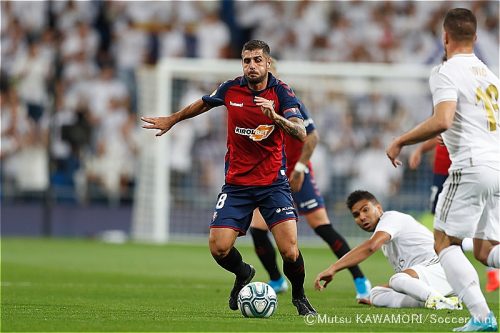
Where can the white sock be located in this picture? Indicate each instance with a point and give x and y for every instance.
(464, 280)
(467, 244)
(493, 258)
(416, 288)
(389, 298)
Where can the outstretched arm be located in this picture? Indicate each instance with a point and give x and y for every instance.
(164, 124)
(352, 258)
(440, 121)
(293, 126)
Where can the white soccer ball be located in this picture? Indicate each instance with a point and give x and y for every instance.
(257, 300)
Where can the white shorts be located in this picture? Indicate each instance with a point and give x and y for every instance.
(433, 275)
(469, 205)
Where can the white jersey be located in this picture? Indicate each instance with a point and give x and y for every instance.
(474, 137)
(411, 243)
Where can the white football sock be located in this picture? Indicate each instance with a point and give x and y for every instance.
(416, 288)
(387, 297)
(493, 258)
(464, 280)
(467, 244)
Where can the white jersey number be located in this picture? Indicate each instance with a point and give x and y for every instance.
(222, 201)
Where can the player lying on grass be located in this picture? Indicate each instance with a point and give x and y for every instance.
(409, 246)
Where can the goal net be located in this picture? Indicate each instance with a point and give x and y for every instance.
(357, 109)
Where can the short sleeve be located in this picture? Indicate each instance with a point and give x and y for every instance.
(289, 104)
(442, 88)
(217, 97)
(390, 223)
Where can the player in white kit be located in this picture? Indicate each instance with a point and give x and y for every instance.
(409, 246)
(465, 96)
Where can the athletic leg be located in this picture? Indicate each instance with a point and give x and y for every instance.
(461, 274)
(458, 214)
(311, 204)
(388, 297)
(408, 283)
(266, 253)
(285, 235)
(319, 222)
(487, 252)
(221, 243)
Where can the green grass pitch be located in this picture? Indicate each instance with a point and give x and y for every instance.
(82, 285)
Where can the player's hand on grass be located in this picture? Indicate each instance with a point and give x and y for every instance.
(296, 180)
(267, 107)
(326, 276)
(393, 152)
(160, 123)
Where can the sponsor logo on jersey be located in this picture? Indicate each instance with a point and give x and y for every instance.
(309, 204)
(240, 105)
(256, 134)
(284, 209)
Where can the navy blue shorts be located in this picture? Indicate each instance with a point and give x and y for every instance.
(308, 199)
(235, 206)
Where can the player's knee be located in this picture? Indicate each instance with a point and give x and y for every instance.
(377, 295)
(395, 278)
(398, 280)
(218, 249)
(290, 253)
(481, 255)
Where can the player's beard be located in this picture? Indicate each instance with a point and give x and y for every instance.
(256, 80)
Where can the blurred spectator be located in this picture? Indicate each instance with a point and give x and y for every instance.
(213, 37)
(374, 173)
(129, 52)
(93, 49)
(173, 42)
(106, 94)
(32, 71)
(80, 39)
(23, 149)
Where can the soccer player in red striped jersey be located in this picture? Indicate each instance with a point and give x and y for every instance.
(310, 204)
(261, 110)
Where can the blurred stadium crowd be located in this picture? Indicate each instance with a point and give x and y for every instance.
(69, 91)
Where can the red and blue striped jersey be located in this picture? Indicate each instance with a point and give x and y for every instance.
(255, 144)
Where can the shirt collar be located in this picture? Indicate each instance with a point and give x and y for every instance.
(271, 81)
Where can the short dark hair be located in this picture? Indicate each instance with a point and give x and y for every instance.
(460, 24)
(359, 195)
(256, 44)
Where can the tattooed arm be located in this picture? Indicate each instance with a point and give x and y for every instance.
(293, 126)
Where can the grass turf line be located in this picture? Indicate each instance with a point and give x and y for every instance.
(82, 285)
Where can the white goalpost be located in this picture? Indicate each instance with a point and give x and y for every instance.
(180, 173)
